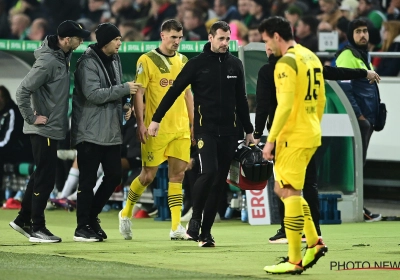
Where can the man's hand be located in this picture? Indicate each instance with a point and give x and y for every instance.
(142, 133)
(128, 114)
(40, 119)
(267, 151)
(372, 76)
(133, 87)
(249, 138)
(362, 118)
(256, 141)
(153, 129)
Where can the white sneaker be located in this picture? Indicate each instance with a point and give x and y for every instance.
(125, 225)
(178, 234)
(66, 154)
(187, 216)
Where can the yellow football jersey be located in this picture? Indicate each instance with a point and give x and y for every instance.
(300, 91)
(156, 72)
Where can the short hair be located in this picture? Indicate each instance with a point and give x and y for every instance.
(5, 93)
(276, 24)
(171, 24)
(197, 13)
(219, 25)
(312, 22)
(253, 27)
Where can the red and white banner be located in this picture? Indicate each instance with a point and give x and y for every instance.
(258, 207)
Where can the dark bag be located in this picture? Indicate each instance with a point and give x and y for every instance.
(381, 117)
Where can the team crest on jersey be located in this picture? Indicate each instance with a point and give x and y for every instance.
(150, 156)
(200, 143)
(140, 69)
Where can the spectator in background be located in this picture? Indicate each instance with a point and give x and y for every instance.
(126, 26)
(193, 23)
(390, 66)
(341, 29)
(226, 11)
(293, 15)
(14, 145)
(31, 8)
(19, 26)
(253, 34)
(4, 24)
(97, 11)
(243, 9)
(306, 32)
(258, 9)
(238, 32)
(370, 10)
(38, 29)
(393, 11)
(60, 11)
(122, 10)
(324, 26)
(348, 8)
(132, 36)
(161, 10)
(330, 12)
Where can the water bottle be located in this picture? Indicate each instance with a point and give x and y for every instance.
(243, 213)
(233, 205)
(127, 106)
(126, 191)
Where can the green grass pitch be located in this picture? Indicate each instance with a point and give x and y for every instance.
(241, 253)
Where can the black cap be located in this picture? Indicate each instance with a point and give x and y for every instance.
(71, 28)
(105, 33)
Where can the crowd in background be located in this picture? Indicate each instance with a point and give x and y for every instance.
(140, 20)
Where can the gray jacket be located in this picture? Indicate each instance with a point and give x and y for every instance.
(96, 104)
(45, 89)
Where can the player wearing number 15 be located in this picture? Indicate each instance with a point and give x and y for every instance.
(296, 130)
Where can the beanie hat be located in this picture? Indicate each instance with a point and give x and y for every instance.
(105, 33)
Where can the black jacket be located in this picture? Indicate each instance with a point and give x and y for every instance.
(266, 91)
(218, 86)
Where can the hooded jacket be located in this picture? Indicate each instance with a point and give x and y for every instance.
(218, 86)
(96, 102)
(363, 96)
(45, 90)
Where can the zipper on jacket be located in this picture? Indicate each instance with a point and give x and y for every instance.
(201, 116)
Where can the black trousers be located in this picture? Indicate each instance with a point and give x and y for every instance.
(215, 156)
(90, 156)
(366, 130)
(310, 194)
(41, 182)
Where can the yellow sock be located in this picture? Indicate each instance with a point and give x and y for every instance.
(135, 191)
(309, 227)
(175, 199)
(294, 223)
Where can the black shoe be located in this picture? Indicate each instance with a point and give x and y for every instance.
(372, 217)
(23, 228)
(193, 230)
(279, 237)
(206, 241)
(43, 235)
(86, 234)
(95, 225)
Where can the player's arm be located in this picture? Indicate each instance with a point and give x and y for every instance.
(285, 82)
(183, 80)
(143, 77)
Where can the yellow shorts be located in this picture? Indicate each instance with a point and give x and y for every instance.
(158, 149)
(291, 164)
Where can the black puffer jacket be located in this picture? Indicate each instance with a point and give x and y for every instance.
(218, 86)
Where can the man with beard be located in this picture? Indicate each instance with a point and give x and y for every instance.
(42, 98)
(363, 96)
